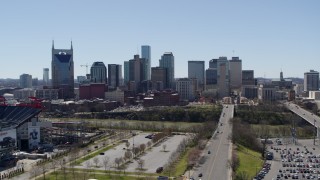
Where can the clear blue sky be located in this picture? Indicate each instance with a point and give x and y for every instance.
(266, 35)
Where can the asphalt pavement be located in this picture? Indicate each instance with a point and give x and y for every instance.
(220, 147)
(308, 116)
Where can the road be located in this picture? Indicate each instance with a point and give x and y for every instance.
(306, 115)
(220, 146)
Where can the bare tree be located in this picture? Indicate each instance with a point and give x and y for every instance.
(118, 161)
(96, 161)
(128, 155)
(62, 164)
(149, 143)
(54, 166)
(88, 166)
(105, 162)
(73, 156)
(35, 171)
(127, 144)
(140, 164)
(44, 169)
(164, 147)
(136, 151)
(142, 147)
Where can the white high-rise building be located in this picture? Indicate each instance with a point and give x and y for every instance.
(45, 76)
(146, 54)
(196, 70)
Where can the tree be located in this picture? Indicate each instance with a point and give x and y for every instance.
(127, 144)
(105, 162)
(136, 151)
(88, 166)
(62, 164)
(44, 169)
(96, 161)
(140, 164)
(164, 147)
(118, 161)
(149, 143)
(73, 156)
(53, 166)
(142, 147)
(34, 171)
(128, 155)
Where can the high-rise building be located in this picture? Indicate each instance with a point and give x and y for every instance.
(235, 67)
(135, 69)
(158, 74)
(114, 75)
(98, 72)
(25, 81)
(248, 77)
(167, 61)
(62, 68)
(196, 70)
(126, 72)
(35, 82)
(223, 77)
(211, 76)
(146, 54)
(184, 86)
(311, 81)
(45, 76)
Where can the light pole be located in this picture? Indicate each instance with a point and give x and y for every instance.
(314, 133)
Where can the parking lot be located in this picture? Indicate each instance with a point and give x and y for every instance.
(156, 157)
(300, 161)
(119, 150)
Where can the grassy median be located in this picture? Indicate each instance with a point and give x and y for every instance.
(250, 161)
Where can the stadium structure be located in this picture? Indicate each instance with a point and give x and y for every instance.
(20, 128)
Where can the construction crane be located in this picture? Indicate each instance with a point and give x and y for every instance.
(85, 65)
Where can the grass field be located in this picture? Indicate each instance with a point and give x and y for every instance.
(283, 130)
(250, 161)
(182, 164)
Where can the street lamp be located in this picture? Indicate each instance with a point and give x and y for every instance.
(315, 129)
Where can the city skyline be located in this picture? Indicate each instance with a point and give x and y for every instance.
(267, 36)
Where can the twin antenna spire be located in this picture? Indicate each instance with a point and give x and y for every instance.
(53, 44)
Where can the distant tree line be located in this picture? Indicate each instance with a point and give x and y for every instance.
(164, 114)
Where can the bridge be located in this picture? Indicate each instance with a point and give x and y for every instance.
(311, 118)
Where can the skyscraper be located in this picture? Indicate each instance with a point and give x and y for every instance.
(25, 81)
(98, 72)
(62, 68)
(311, 81)
(114, 75)
(158, 77)
(212, 74)
(196, 70)
(248, 77)
(146, 54)
(135, 69)
(45, 76)
(126, 72)
(223, 77)
(167, 61)
(235, 65)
